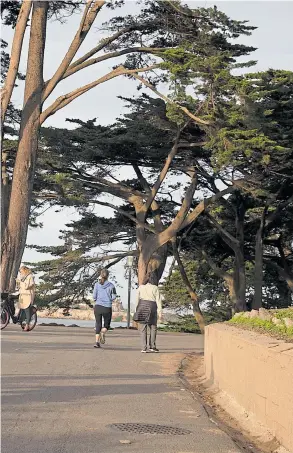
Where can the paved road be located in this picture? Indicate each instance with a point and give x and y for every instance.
(60, 394)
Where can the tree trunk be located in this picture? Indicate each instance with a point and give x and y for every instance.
(289, 280)
(156, 264)
(19, 33)
(284, 275)
(285, 292)
(258, 267)
(229, 279)
(197, 312)
(239, 282)
(195, 305)
(5, 194)
(239, 271)
(230, 284)
(23, 175)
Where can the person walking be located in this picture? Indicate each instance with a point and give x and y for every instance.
(104, 295)
(26, 286)
(149, 309)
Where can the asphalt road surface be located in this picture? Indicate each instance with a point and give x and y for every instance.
(59, 394)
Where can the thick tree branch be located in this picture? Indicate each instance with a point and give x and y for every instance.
(169, 101)
(19, 33)
(91, 10)
(114, 256)
(125, 214)
(217, 270)
(99, 183)
(73, 69)
(107, 186)
(204, 204)
(154, 206)
(230, 240)
(103, 43)
(64, 100)
(273, 215)
(196, 309)
(283, 273)
(153, 192)
(191, 145)
(165, 236)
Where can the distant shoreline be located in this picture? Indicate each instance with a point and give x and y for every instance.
(79, 314)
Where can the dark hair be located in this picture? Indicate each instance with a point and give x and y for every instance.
(104, 274)
(151, 278)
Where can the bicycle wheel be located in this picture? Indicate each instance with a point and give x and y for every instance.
(4, 317)
(33, 320)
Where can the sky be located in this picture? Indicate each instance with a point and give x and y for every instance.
(273, 40)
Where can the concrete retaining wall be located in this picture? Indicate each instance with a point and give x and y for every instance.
(257, 372)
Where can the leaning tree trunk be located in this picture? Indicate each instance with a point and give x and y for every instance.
(5, 194)
(195, 305)
(285, 299)
(230, 284)
(23, 175)
(258, 266)
(288, 278)
(239, 270)
(286, 273)
(240, 282)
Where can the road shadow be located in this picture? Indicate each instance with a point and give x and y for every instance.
(70, 393)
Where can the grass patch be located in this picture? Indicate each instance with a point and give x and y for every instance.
(257, 324)
(282, 313)
(118, 319)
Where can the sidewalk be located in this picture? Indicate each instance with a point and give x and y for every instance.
(60, 394)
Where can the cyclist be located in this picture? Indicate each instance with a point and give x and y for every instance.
(26, 286)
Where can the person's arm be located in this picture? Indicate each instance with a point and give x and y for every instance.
(95, 293)
(159, 303)
(137, 297)
(29, 282)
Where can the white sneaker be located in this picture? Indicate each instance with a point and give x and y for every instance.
(144, 350)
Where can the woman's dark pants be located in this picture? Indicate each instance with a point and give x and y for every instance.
(102, 313)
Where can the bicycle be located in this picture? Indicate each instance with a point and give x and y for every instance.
(8, 311)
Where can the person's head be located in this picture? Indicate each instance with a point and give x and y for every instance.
(24, 271)
(104, 274)
(151, 279)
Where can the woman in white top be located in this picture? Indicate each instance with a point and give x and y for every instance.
(149, 309)
(26, 286)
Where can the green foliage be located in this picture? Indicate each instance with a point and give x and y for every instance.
(283, 313)
(175, 114)
(210, 290)
(185, 324)
(249, 137)
(188, 324)
(266, 326)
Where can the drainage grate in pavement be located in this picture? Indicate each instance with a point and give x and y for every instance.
(141, 428)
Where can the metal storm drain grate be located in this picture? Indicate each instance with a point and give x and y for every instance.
(141, 428)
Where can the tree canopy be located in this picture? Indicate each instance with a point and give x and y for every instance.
(203, 172)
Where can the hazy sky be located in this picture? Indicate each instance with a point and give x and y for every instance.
(273, 38)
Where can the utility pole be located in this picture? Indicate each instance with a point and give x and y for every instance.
(129, 267)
